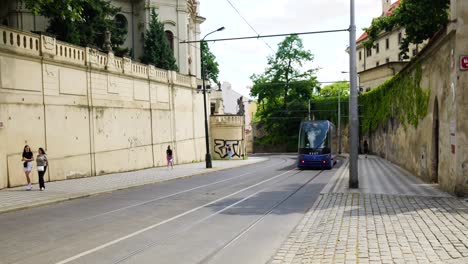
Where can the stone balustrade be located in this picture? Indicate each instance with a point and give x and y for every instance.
(21, 42)
(69, 53)
(183, 80)
(226, 120)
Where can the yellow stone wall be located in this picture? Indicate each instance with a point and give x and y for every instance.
(93, 113)
(415, 148)
(227, 129)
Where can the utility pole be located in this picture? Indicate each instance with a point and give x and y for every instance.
(353, 113)
(339, 122)
(309, 109)
(203, 70)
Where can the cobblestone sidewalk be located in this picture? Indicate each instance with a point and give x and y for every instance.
(393, 217)
(373, 228)
(18, 198)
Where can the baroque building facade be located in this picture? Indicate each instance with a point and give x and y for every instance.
(181, 21)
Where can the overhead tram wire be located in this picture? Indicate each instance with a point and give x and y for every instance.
(194, 46)
(245, 20)
(269, 36)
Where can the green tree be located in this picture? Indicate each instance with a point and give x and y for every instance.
(284, 90)
(335, 89)
(210, 64)
(157, 49)
(81, 22)
(421, 19)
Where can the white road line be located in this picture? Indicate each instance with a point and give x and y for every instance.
(188, 227)
(113, 242)
(168, 196)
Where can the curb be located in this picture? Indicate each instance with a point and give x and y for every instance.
(88, 194)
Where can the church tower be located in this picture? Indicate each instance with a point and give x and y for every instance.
(386, 5)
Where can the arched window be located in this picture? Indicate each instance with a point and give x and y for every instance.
(170, 39)
(121, 21)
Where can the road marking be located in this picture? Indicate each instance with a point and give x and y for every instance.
(113, 242)
(168, 196)
(210, 257)
(187, 227)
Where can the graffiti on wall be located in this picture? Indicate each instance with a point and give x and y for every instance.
(220, 147)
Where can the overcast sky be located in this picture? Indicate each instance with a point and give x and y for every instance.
(239, 59)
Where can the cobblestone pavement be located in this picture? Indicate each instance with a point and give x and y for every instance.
(365, 227)
(18, 198)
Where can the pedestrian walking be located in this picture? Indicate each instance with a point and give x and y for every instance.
(41, 164)
(229, 151)
(27, 159)
(366, 148)
(169, 157)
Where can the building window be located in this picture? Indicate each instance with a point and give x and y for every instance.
(399, 38)
(377, 64)
(360, 55)
(170, 39)
(369, 52)
(415, 51)
(387, 60)
(377, 48)
(387, 43)
(120, 21)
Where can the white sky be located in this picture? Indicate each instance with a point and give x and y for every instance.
(239, 59)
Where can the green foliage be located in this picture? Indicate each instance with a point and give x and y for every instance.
(71, 10)
(335, 89)
(210, 64)
(283, 92)
(421, 19)
(399, 98)
(81, 22)
(157, 49)
(326, 108)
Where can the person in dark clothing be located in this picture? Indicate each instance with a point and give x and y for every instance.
(41, 163)
(366, 148)
(27, 159)
(169, 157)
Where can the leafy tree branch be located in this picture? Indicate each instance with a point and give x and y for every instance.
(210, 64)
(420, 19)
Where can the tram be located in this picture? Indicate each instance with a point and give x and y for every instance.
(317, 145)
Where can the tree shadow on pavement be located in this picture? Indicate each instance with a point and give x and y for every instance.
(288, 199)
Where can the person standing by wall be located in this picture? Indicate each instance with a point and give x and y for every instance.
(27, 159)
(41, 162)
(229, 151)
(169, 157)
(366, 148)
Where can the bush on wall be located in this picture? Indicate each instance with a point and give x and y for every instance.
(400, 97)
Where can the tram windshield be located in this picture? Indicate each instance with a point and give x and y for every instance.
(314, 137)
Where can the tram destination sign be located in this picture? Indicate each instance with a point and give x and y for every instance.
(464, 62)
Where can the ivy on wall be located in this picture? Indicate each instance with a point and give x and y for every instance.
(399, 98)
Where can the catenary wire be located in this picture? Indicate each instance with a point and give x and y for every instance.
(245, 20)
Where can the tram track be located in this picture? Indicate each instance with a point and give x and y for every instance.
(194, 224)
(141, 231)
(210, 218)
(210, 257)
(241, 233)
(178, 193)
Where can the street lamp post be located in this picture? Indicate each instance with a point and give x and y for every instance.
(207, 137)
(339, 122)
(353, 113)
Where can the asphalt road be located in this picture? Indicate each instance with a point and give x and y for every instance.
(239, 215)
